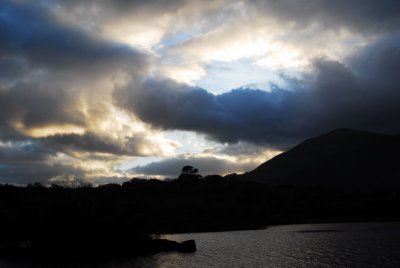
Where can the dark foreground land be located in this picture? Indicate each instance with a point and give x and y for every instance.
(344, 175)
(120, 217)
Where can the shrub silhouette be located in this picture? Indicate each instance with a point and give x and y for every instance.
(189, 170)
(189, 173)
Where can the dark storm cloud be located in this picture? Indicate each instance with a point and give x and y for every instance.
(30, 159)
(122, 6)
(26, 161)
(336, 96)
(12, 67)
(379, 61)
(87, 142)
(360, 15)
(30, 32)
(206, 166)
(242, 114)
(366, 16)
(32, 41)
(35, 105)
(24, 173)
(24, 152)
(90, 142)
(42, 65)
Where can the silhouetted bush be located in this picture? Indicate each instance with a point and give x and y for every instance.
(142, 207)
(214, 178)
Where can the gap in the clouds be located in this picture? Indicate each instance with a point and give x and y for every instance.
(222, 76)
(138, 161)
(190, 143)
(174, 39)
(197, 150)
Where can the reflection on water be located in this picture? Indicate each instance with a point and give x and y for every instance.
(308, 245)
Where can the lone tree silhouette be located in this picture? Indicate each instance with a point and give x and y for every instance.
(189, 170)
(189, 173)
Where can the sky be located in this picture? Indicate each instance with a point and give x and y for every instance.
(103, 91)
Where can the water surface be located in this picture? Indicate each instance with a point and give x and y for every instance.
(308, 245)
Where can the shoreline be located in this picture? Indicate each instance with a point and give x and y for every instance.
(394, 220)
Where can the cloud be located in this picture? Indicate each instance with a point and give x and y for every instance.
(23, 173)
(32, 105)
(30, 32)
(138, 23)
(379, 61)
(366, 16)
(24, 152)
(57, 117)
(219, 159)
(207, 165)
(242, 114)
(136, 145)
(86, 85)
(242, 152)
(280, 35)
(333, 96)
(50, 69)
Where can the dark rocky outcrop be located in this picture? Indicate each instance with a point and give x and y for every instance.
(187, 246)
(82, 249)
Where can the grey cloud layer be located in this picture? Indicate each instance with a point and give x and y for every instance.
(335, 96)
(206, 165)
(24, 152)
(29, 32)
(42, 64)
(30, 40)
(26, 161)
(361, 15)
(24, 173)
(366, 16)
(92, 143)
(37, 105)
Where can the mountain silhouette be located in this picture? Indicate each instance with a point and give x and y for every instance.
(342, 159)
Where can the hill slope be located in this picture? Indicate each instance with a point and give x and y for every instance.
(343, 158)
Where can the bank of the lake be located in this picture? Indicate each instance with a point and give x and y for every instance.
(372, 244)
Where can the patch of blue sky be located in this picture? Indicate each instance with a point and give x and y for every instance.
(191, 142)
(225, 76)
(174, 39)
(137, 161)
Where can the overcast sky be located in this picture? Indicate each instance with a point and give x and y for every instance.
(103, 91)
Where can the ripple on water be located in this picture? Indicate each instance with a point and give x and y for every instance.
(366, 245)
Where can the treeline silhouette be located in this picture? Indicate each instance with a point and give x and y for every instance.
(141, 208)
(344, 175)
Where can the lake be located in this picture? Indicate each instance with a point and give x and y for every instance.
(306, 245)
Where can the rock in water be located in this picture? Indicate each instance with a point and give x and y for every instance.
(187, 246)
